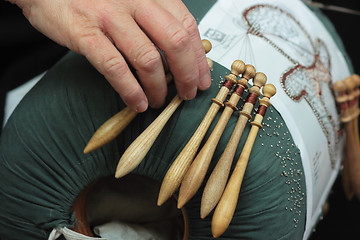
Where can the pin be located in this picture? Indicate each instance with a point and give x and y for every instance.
(218, 178)
(227, 204)
(197, 171)
(181, 164)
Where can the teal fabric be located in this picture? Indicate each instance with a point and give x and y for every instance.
(43, 168)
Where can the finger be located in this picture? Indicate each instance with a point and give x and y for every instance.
(103, 55)
(142, 55)
(180, 12)
(171, 37)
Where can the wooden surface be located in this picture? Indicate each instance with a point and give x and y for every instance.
(110, 129)
(197, 170)
(136, 152)
(218, 178)
(226, 207)
(176, 172)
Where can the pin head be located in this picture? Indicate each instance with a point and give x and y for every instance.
(269, 90)
(207, 45)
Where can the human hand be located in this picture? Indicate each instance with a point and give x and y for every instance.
(97, 28)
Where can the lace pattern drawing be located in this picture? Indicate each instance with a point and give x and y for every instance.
(309, 78)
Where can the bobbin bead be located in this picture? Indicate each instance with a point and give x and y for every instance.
(356, 79)
(207, 45)
(249, 72)
(339, 87)
(269, 90)
(258, 81)
(237, 67)
(350, 84)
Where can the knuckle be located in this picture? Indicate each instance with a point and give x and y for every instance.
(179, 39)
(190, 79)
(81, 41)
(148, 58)
(113, 67)
(190, 24)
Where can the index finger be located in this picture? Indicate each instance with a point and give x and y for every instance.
(180, 12)
(170, 36)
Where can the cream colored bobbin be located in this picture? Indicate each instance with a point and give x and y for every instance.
(342, 100)
(110, 129)
(227, 204)
(176, 172)
(218, 178)
(137, 151)
(197, 171)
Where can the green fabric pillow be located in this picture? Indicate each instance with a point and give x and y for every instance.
(43, 168)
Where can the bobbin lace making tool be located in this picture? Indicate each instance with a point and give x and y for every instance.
(110, 129)
(136, 152)
(197, 171)
(218, 178)
(227, 204)
(181, 164)
(348, 97)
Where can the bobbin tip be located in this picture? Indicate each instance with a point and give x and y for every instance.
(218, 228)
(87, 149)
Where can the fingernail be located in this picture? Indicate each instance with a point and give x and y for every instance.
(205, 81)
(142, 106)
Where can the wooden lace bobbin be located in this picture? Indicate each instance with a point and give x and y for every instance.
(137, 151)
(342, 100)
(207, 47)
(176, 172)
(117, 123)
(350, 91)
(227, 204)
(352, 147)
(356, 79)
(218, 178)
(110, 129)
(197, 171)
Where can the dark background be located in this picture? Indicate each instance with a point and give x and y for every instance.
(26, 53)
(343, 219)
